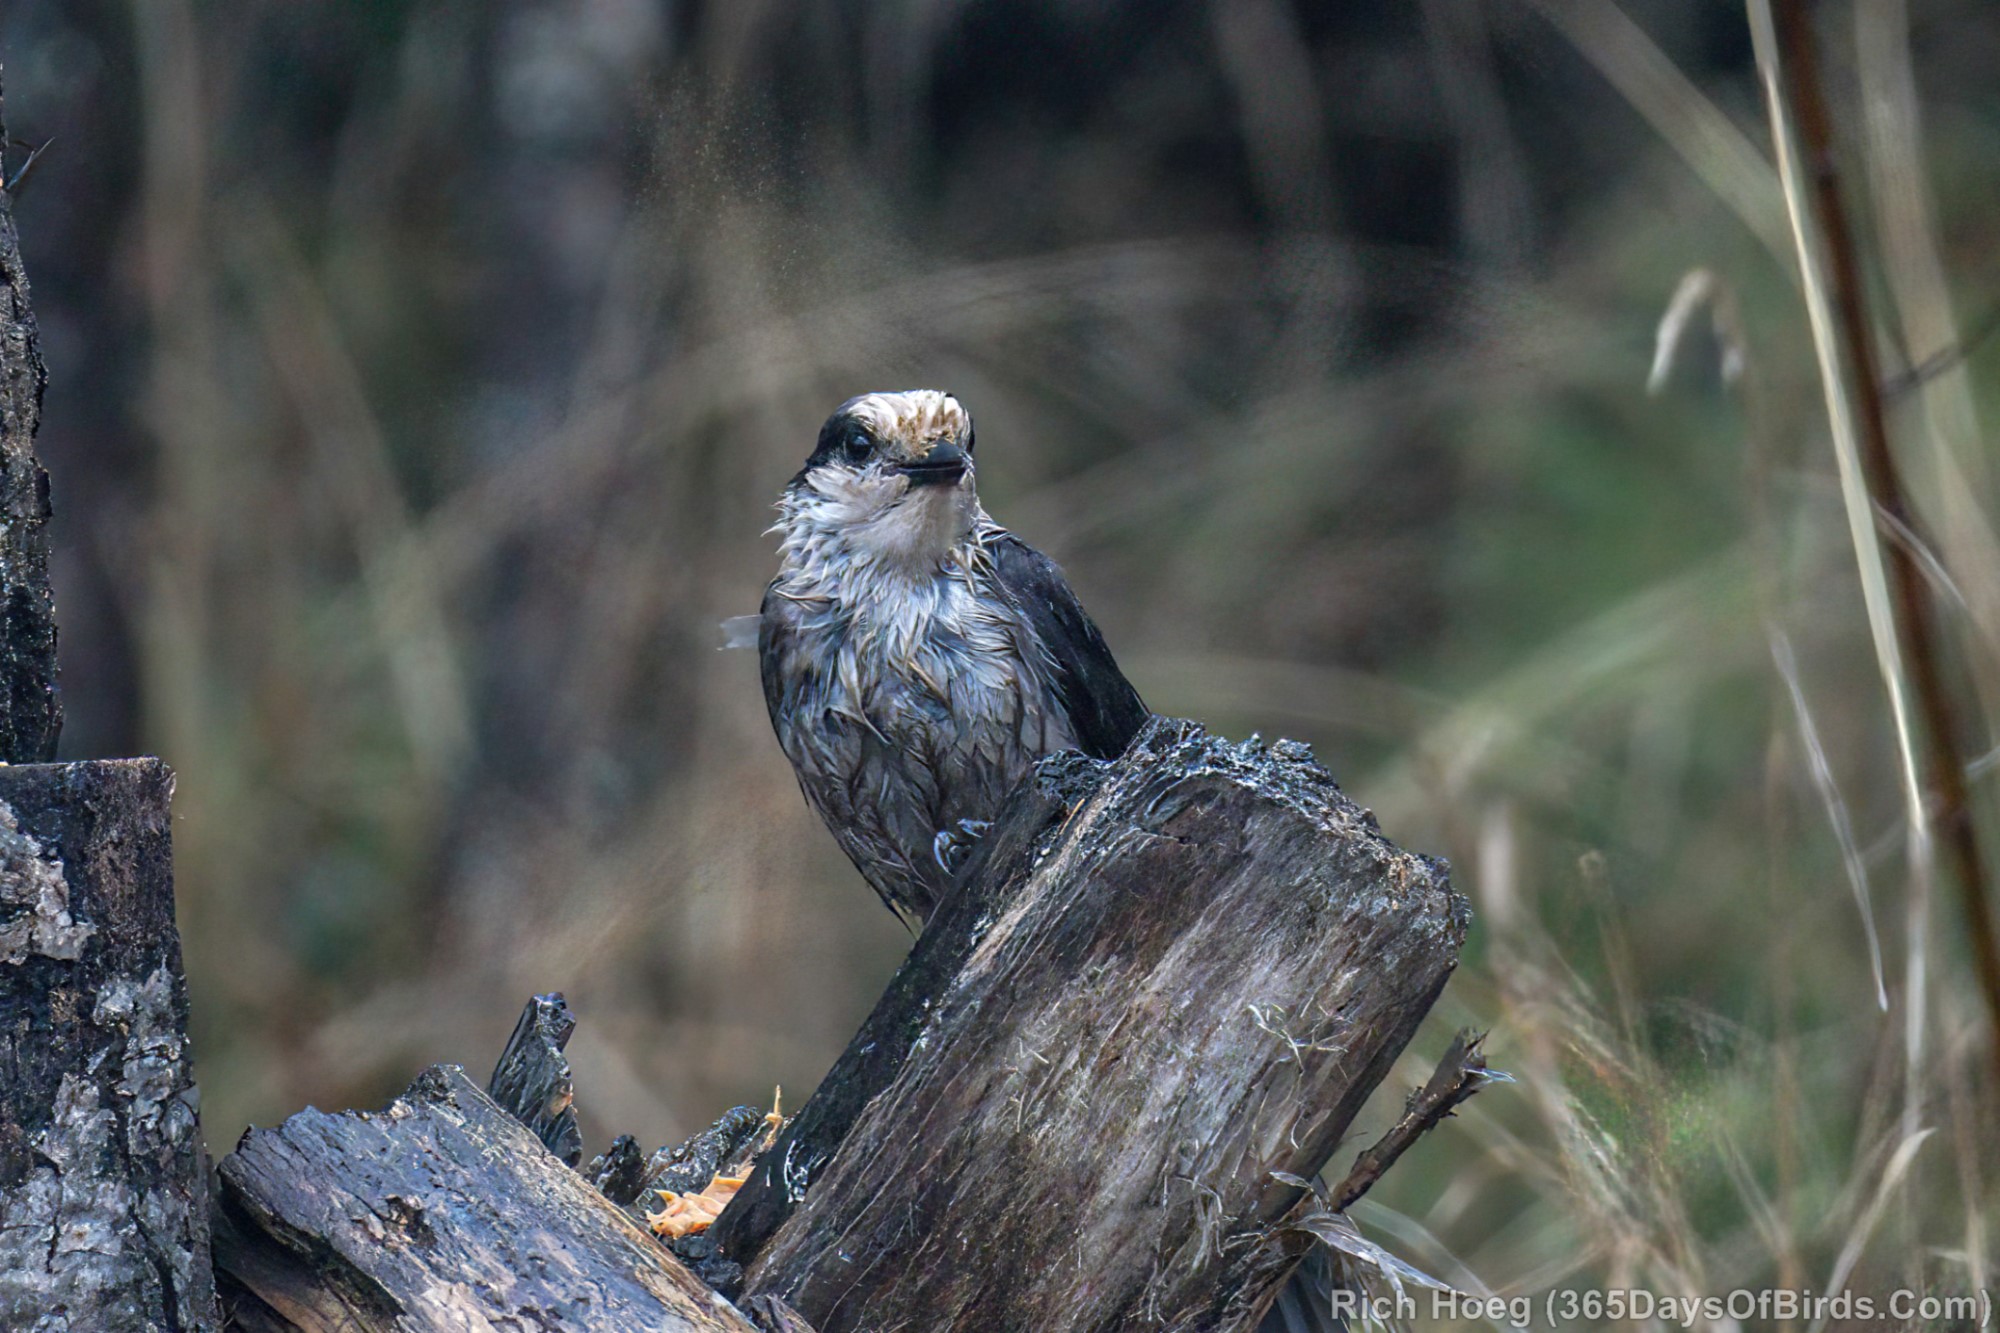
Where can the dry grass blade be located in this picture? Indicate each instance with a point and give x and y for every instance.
(1959, 471)
(1417, 1236)
(1844, 341)
(1722, 155)
(1342, 1235)
(1836, 380)
(1960, 1061)
(1864, 1226)
(1836, 805)
(1927, 562)
(1698, 288)
(1770, 1225)
(20, 177)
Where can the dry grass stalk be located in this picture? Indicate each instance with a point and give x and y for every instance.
(1906, 633)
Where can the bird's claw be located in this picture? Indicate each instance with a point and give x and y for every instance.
(952, 845)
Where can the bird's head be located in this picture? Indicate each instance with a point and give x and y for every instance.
(891, 479)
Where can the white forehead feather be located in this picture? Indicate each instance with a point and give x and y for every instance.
(915, 415)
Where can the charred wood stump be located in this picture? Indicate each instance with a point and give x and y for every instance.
(1092, 1098)
(103, 1180)
(877, 1053)
(442, 1212)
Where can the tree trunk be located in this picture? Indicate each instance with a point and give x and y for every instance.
(1175, 1003)
(103, 1180)
(30, 709)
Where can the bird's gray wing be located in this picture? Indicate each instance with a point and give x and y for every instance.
(1105, 712)
(776, 643)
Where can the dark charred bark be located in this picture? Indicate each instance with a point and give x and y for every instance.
(691, 1164)
(620, 1172)
(1091, 1100)
(103, 1181)
(1163, 1017)
(532, 1079)
(443, 1211)
(30, 708)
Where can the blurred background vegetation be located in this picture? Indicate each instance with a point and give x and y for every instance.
(421, 374)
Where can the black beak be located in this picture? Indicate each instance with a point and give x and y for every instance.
(942, 466)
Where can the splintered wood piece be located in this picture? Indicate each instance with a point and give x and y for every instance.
(1163, 1023)
(441, 1212)
(532, 1079)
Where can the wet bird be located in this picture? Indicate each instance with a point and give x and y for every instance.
(917, 657)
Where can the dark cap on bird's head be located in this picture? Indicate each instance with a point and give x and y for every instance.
(924, 435)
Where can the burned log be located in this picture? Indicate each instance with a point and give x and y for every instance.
(1091, 1099)
(442, 1212)
(103, 1180)
(1167, 1013)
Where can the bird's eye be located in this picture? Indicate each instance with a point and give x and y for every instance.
(858, 446)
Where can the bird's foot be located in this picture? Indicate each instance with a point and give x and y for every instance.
(952, 845)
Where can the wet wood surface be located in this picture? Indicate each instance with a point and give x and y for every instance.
(1165, 1017)
(440, 1212)
(1089, 1101)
